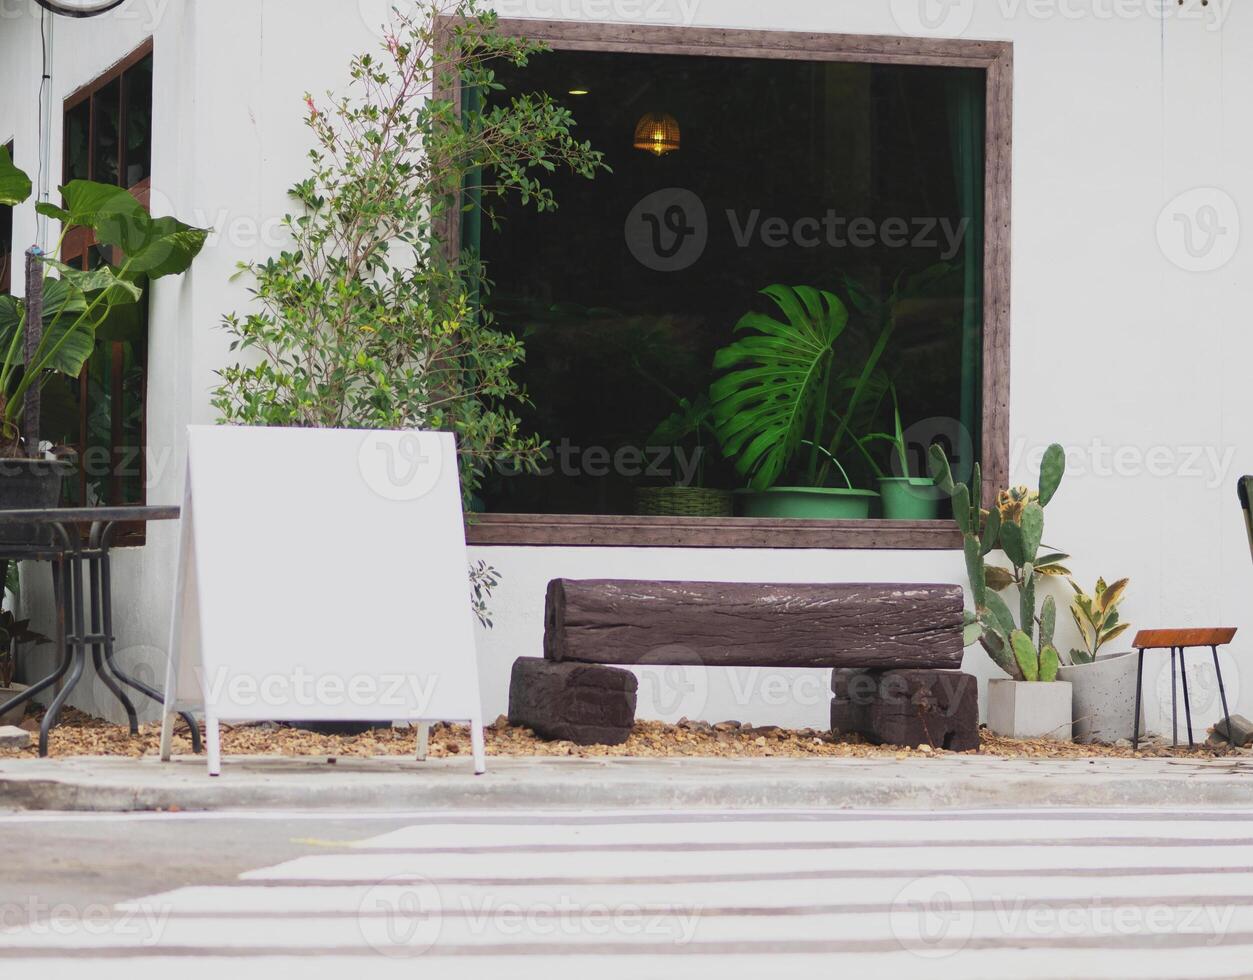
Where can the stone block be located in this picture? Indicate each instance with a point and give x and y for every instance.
(939, 708)
(582, 703)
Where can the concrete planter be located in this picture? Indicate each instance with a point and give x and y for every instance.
(1021, 709)
(1104, 697)
(7, 694)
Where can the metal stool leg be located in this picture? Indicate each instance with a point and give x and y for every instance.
(1231, 737)
(1135, 725)
(1187, 700)
(1174, 707)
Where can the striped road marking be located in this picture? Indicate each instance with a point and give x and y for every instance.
(730, 894)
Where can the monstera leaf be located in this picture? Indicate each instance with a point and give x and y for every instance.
(777, 379)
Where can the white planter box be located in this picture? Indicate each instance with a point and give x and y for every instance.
(14, 716)
(1104, 698)
(1021, 709)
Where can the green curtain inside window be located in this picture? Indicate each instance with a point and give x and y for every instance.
(965, 99)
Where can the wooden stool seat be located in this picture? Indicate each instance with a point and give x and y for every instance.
(1177, 641)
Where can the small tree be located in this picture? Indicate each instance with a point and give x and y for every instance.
(368, 320)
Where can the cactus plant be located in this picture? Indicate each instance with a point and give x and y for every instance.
(1023, 646)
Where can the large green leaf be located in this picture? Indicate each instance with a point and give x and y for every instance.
(167, 247)
(66, 329)
(154, 246)
(108, 210)
(776, 375)
(15, 186)
(69, 333)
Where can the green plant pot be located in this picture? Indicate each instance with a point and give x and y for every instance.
(808, 503)
(909, 499)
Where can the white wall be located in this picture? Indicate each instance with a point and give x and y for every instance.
(1116, 349)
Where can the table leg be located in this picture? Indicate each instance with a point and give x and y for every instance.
(98, 646)
(73, 656)
(106, 604)
(1187, 701)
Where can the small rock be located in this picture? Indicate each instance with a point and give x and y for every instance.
(12, 737)
(1241, 729)
(1123, 743)
(727, 726)
(501, 723)
(761, 741)
(452, 748)
(926, 749)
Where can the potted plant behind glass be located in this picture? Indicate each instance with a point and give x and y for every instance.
(1031, 701)
(78, 307)
(905, 497)
(1104, 684)
(771, 406)
(692, 421)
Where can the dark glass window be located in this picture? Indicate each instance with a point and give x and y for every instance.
(862, 180)
(108, 137)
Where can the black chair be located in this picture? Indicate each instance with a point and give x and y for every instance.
(1244, 487)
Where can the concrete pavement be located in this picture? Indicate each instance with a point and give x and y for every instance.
(380, 785)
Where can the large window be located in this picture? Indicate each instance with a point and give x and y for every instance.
(108, 138)
(756, 196)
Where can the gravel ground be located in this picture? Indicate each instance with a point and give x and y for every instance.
(80, 735)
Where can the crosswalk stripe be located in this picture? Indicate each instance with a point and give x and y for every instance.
(672, 894)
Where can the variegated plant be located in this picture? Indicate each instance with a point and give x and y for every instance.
(1096, 616)
(1023, 648)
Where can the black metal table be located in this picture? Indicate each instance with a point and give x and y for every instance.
(68, 550)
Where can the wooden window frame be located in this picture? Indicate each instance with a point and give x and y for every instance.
(995, 59)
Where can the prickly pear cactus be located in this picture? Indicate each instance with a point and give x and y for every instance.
(1023, 648)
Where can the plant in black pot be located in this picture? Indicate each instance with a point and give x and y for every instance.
(13, 633)
(55, 330)
(690, 427)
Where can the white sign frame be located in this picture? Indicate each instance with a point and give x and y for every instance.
(322, 576)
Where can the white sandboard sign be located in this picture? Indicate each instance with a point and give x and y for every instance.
(322, 576)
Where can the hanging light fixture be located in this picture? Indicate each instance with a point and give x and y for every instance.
(657, 133)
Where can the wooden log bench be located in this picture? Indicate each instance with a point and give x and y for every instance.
(610, 624)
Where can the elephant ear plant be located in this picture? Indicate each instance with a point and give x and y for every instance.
(81, 307)
(1022, 647)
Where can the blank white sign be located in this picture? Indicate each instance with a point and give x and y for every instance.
(324, 576)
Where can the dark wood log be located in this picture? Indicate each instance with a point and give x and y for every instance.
(580, 703)
(910, 708)
(751, 625)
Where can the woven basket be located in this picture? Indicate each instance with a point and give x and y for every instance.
(682, 502)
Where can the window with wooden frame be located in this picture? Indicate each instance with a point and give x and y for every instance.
(755, 174)
(6, 240)
(101, 415)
